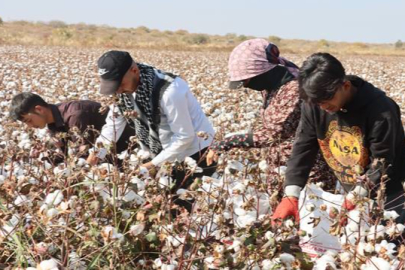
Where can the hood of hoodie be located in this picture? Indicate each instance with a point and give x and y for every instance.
(366, 94)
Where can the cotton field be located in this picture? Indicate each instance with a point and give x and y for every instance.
(72, 216)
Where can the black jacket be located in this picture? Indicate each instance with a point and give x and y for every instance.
(368, 128)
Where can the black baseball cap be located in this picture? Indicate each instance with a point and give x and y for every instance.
(112, 67)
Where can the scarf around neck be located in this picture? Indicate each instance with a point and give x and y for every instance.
(152, 84)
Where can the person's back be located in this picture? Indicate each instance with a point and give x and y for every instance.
(187, 110)
(83, 114)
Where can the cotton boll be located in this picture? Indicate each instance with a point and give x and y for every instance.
(227, 215)
(281, 170)
(239, 188)
(233, 166)
(132, 196)
(355, 216)
(143, 154)
(51, 264)
(350, 239)
(47, 165)
(246, 220)
(369, 248)
(385, 248)
(61, 171)
(400, 228)
(268, 265)
(11, 85)
(325, 262)
(22, 200)
(263, 165)
(240, 211)
(287, 259)
(54, 198)
(144, 172)
(376, 232)
(289, 223)
(390, 215)
(269, 235)
(168, 267)
(346, 257)
(33, 181)
(164, 181)
(51, 213)
(181, 191)
(123, 155)
(191, 163)
(376, 263)
(353, 227)
(158, 262)
(175, 241)
(236, 245)
(129, 196)
(137, 229)
(81, 162)
(139, 183)
(111, 233)
(9, 226)
(25, 144)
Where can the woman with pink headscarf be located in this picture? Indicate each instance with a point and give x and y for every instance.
(256, 64)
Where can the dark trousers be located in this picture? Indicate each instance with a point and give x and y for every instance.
(121, 145)
(184, 180)
(123, 142)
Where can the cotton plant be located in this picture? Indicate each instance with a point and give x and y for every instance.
(72, 216)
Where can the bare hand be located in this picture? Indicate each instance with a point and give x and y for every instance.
(92, 159)
(150, 167)
(211, 157)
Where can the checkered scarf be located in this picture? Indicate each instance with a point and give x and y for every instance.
(148, 95)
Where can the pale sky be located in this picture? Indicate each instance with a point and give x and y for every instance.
(375, 21)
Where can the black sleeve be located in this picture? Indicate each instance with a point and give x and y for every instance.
(385, 136)
(304, 151)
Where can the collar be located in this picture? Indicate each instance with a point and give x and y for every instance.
(59, 124)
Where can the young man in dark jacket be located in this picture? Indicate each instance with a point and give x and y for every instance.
(358, 130)
(37, 113)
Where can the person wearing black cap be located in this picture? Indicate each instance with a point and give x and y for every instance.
(168, 116)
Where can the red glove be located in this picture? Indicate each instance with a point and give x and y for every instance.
(348, 206)
(287, 207)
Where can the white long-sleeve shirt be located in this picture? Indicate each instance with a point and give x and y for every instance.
(181, 117)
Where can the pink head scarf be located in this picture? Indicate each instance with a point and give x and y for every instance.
(254, 57)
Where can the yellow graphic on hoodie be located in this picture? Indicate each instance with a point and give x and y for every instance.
(343, 150)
